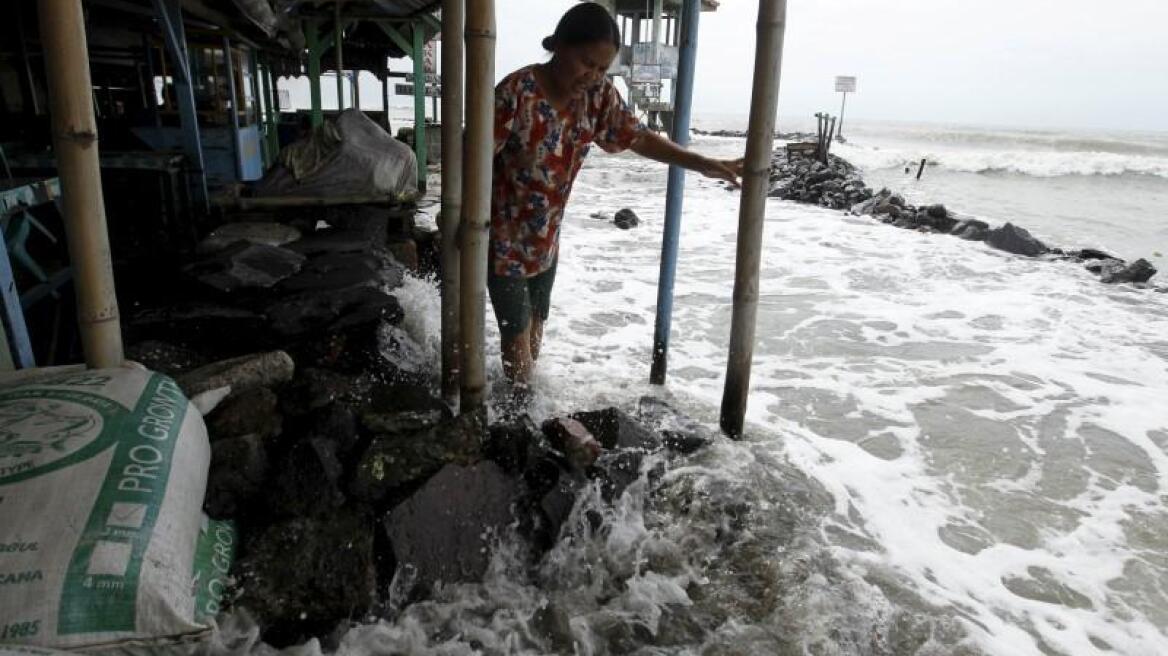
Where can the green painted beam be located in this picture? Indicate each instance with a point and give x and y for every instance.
(418, 29)
(312, 36)
(271, 97)
(396, 37)
(433, 23)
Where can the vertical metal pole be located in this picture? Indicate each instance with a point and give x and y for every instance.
(420, 101)
(270, 107)
(356, 88)
(62, 28)
(840, 127)
(151, 91)
(656, 20)
(170, 20)
(253, 72)
(675, 192)
(453, 19)
(339, 49)
(233, 98)
(476, 196)
(385, 98)
(760, 140)
(312, 37)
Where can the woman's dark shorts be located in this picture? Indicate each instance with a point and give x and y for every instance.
(516, 299)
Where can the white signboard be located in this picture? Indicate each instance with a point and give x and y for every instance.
(408, 90)
(431, 78)
(845, 83)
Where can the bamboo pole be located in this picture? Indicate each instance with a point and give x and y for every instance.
(453, 20)
(772, 17)
(417, 33)
(312, 36)
(62, 28)
(476, 196)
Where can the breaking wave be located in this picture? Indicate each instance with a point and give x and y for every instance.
(1037, 163)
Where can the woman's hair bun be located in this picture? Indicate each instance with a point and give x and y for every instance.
(549, 43)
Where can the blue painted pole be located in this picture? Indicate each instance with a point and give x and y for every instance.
(675, 193)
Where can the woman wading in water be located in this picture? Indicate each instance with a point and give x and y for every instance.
(547, 116)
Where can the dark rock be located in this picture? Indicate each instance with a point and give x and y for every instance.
(409, 358)
(253, 232)
(886, 207)
(404, 252)
(241, 374)
(937, 211)
(239, 467)
(1112, 266)
(395, 462)
(199, 323)
(403, 409)
(299, 577)
(679, 432)
(616, 470)
(333, 311)
(1139, 271)
(315, 388)
(1013, 239)
(626, 218)
(244, 265)
(446, 529)
(306, 482)
(354, 351)
(1093, 254)
(972, 229)
(614, 429)
(555, 506)
(337, 424)
(571, 438)
(164, 357)
(253, 411)
(333, 241)
(335, 271)
(510, 444)
(897, 200)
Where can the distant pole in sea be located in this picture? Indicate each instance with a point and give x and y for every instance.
(843, 105)
(844, 84)
(768, 61)
(921, 169)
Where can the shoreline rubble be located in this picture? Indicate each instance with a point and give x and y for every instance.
(839, 185)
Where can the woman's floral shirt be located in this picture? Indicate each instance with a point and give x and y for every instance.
(538, 152)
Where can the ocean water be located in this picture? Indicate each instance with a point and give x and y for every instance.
(949, 450)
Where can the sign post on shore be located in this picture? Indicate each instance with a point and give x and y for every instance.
(844, 84)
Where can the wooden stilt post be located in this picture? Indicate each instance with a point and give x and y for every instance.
(170, 20)
(233, 95)
(453, 19)
(312, 37)
(419, 33)
(768, 58)
(66, 54)
(385, 98)
(476, 196)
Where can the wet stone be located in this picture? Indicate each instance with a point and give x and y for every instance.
(1139, 271)
(571, 438)
(244, 265)
(393, 462)
(164, 357)
(252, 412)
(403, 409)
(678, 432)
(331, 311)
(626, 219)
(306, 480)
(333, 272)
(333, 241)
(253, 232)
(299, 577)
(446, 529)
(239, 467)
(1013, 239)
(241, 374)
(615, 429)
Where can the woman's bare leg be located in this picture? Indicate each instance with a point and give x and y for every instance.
(536, 328)
(517, 360)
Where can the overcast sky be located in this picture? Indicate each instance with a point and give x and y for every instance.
(1062, 63)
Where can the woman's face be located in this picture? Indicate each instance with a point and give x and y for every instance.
(584, 65)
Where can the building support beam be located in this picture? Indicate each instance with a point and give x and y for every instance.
(272, 112)
(420, 151)
(760, 140)
(339, 50)
(453, 18)
(476, 197)
(233, 95)
(312, 37)
(675, 192)
(170, 19)
(62, 26)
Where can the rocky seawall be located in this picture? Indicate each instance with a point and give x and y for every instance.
(354, 488)
(839, 185)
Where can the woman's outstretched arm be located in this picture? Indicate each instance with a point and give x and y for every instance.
(663, 150)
